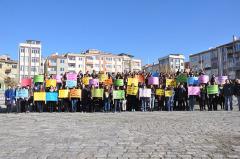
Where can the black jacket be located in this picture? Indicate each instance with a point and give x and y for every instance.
(237, 90)
(228, 90)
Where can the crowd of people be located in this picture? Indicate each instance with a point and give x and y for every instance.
(178, 100)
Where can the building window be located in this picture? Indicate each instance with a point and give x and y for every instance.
(22, 50)
(109, 66)
(62, 61)
(71, 65)
(61, 69)
(35, 59)
(0, 65)
(71, 58)
(80, 59)
(33, 69)
(14, 66)
(109, 59)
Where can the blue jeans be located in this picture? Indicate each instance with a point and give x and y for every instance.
(228, 99)
(152, 103)
(238, 98)
(106, 107)
(74, 105)
(144, 104)
(40, 106)
(168, 103)
(117, 105)
(191, 103)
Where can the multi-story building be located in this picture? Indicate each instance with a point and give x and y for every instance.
(171, 63)
(8, 71)
(221, 60)
(30, 55)
(129, 63)
(55, 64)
(75, 62)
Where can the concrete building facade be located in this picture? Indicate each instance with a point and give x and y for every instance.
(171, 63)
(55, 64)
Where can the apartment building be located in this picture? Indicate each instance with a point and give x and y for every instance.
(171, 63)
(129, 63)
(75, 62)
(55, 64)
(30, 55)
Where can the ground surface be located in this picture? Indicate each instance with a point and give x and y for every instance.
(123, 135)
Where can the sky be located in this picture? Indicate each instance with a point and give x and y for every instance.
(147, 29)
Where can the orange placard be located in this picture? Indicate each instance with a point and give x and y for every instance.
(140, 78)
(75, 93)
(108, 81)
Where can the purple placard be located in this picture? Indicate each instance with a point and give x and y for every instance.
(194, 90)
(153, 81)
(94, 82)
(203, 79)
(72, 76)
(58, 78)
(222, 79)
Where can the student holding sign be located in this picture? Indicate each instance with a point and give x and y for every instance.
(160, 97)
(9, 98)
(117, 103)
(107, 95)
(228, 94)
(212, 91)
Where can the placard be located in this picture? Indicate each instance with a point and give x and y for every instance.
(71, 83)
(144, 92)
(140, 78)
(132, 90)
(160, 92)
(22, 93)
(168, 93)
(118, 82)
(51, 96)
(133, 81)
(118, 94)
(102, 77)
(182, 78)
(153, 81)
(38, 78)
(51, 82)
(26, 82)
(203, 79)
(108, 81)
(171, 82)
(97, 93)
(76, 93)
(192, 81)
(222, 79)
(71, 76)
(63, 93)
(212, 89)
(85, 80)
(39, 96)
(94, 82)
(58, 78)
(194, 90)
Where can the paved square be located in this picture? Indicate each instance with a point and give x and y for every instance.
(120, 135)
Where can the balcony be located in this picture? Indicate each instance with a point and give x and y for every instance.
(7, 71)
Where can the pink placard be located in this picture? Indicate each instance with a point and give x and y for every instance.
(72, 76)
(153, 81)
(222, 79)
(94, 82)
(58, 78)
(203, 79)
(26, 82)
(194, 90)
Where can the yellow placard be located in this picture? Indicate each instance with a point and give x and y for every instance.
(75, 93)
(168, 93)
(132, 90)
(160, 92)
(85, 80)
(39, 96)
(132, 81)
(63, 93)
(171, 82)
(51, 82)
(102, 77)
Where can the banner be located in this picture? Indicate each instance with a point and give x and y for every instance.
(63, 93)
(194, 90)
(51, 96)
(85, 80)
(182, 78)
(58, 78)
(102, 77)
(144, 92)
(140, 78)
(72, 76)
(94, 82)
(222, 79)
(212, 89)
(160, 92)
(51, 82)
(71, 83)
(118, 82)
(171, 82)
(132, 81)
(192, 81)
(118, 94)
(39, 96)
(153, 81)
(22, 93)
(38, 78)
(26, 82)
(132, 90)
(98, 93)
(76, 93)
(108, 81)
(203, 79)
(168, 93)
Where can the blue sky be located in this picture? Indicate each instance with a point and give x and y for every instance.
(147, 29)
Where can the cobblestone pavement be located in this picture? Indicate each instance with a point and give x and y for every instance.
(120, 135)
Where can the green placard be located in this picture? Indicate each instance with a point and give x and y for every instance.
(213, 89)
(38, 78)
(118, 82)
(182, 78)
(97, 93)
(119, 94)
